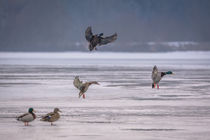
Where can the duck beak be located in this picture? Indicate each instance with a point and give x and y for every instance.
(59, 111)
(34, 111)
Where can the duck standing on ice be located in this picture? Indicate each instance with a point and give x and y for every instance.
(157, 76)
(97, 39)
(52, 116)
(83, 87)
(27, 117)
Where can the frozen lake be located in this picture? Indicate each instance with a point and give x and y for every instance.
(124, 106)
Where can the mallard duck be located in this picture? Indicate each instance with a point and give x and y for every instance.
(97, 39)
(27, 117)
(83, 87)
(52, 116)
(157, 76)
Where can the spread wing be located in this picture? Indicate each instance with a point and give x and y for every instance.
(77, 83)
(88, 34)
(108, 39)
(154, 72)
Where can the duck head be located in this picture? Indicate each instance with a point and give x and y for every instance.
(101, 34)
(169, 72)
(56, 110)
(31, 110)
(97, 83)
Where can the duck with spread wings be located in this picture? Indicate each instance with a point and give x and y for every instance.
(98, 39)
(157, 76)
(83, 87)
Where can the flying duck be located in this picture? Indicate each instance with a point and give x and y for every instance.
(27, 117)
(97, 39)
(83, 87)
(52, 116)
(157, 76)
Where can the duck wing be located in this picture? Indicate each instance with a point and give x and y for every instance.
(156, 76)
(155, 70)
(77, 83)
(88, 34)
(47, 117)
(108, 39)
(28, 117)
(21, 116)
(154, 73)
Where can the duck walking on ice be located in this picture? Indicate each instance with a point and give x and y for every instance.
(157, 76)
(52, 116)
(83, 87)
(27, 117)
(97, 39)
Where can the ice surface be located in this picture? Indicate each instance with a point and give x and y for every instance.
(106, 55)
(124, 106)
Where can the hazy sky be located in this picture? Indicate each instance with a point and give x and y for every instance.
(56, 25)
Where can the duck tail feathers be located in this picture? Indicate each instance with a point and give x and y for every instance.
(153, 85)
(41, 119)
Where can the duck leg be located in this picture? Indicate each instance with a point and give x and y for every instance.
(51, 123)
(157, 86)
(24, 123)
(83, 96)
(80, 94)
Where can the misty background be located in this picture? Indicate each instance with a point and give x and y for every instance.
(141, 25)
